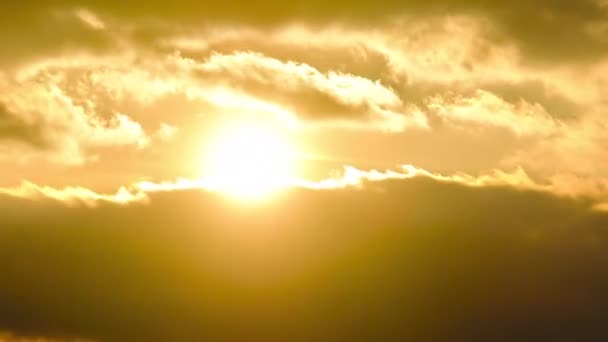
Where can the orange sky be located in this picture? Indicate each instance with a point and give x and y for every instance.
(151, 107)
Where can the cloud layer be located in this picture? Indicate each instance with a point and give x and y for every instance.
(399, 258)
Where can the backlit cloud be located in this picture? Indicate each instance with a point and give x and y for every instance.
(486, 109)
(372, 246)
(427, 170)
(41, 115)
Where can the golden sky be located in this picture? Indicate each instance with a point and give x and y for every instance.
(374, 170)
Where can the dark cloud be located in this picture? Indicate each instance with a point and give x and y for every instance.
(400, 260)
(545, 30)
(550, 30)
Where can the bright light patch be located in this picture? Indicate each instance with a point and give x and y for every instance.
(249, 162)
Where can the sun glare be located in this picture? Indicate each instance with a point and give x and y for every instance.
(249, 162)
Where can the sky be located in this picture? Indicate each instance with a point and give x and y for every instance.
(303, 170)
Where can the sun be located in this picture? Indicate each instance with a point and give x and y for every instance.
(249, 161)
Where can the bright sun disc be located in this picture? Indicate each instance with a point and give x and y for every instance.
(249, 162)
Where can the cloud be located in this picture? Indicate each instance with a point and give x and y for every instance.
(90, 19)
(414, 58)
(14, 128)
(578, 150)
(433, 71)
(408, 253)
(453, 51)
(53, 125)
(413, 258)
(310, 93)
(73, 195)
(548, 30)
(487, 109)
(44, 29)
(389, 72)
(167, 132)
(250, 81)
(562, 185)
